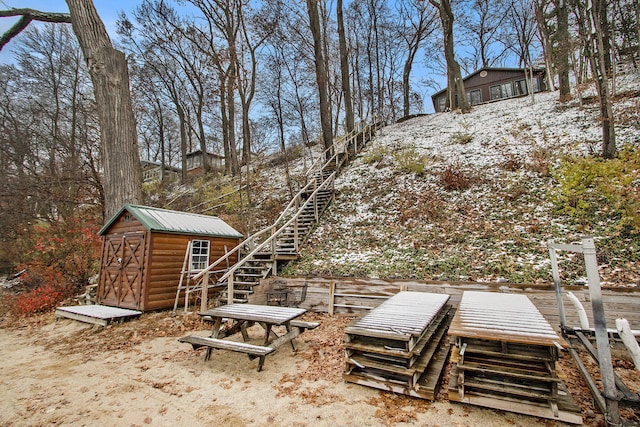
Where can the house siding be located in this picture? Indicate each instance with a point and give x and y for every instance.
(478, 81)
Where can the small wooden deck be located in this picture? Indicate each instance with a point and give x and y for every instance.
(502, 317)
(505, 358)
(400, 346)
(96, 314)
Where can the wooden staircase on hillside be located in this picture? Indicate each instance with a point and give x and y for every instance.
(261, 253)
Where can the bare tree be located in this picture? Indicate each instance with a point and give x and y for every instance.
(417, 24)
(564, 45)
(108, 70)
(344, 68)
(482, 23)
(520, 37)
(594, 36)
(545, 30)
(456, 95)
(321, 75)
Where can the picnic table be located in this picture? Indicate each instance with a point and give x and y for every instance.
(244, 315)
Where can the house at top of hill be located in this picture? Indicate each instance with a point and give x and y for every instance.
(143, 252)
(494, 84)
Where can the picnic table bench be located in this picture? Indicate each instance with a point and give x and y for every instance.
(243, 315)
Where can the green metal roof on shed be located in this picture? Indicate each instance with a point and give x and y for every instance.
(168, 221)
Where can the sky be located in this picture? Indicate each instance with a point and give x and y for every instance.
(109, 10)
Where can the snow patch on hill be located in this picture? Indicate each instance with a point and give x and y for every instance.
(389, 223)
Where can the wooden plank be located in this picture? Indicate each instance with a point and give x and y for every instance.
(567, 410)
(257, 313)
(241, 347)
(304, 325)
(406, 313)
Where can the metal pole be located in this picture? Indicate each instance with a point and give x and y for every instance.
(602, 339)
(557, 283)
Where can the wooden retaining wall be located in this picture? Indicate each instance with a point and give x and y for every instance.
(351, 293)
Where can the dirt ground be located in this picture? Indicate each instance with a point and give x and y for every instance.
(63, 372)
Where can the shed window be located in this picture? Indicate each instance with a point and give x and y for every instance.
(199, 254)
(442, 101)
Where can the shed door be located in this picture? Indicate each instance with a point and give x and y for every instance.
(121, 272)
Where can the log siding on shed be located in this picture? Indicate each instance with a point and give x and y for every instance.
(165, 264)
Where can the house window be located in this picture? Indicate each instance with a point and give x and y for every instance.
(442, 102)
(504, 90)
(199, 254)
(520, 87)
(474, 97)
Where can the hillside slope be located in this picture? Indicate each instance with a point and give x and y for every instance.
(470, 197)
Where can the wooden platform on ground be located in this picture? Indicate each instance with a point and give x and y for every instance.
(400, 346)
(567, 409)
(503, 317)
(96, 314)
(505, 357)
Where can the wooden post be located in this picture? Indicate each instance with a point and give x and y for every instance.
(602, 339)
(204, 300)
(230, 289)
(332, 291)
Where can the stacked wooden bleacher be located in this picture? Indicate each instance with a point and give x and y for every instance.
(397, 345)
(505, 357)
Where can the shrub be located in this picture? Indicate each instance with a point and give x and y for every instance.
(540, 161)
(454, 178)
(64, 255)
(511, 163)
(591, 189)
(37, 300)
(464, 136)
(375, 155)
(410, 161)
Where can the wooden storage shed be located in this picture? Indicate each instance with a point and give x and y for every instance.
(143, 251)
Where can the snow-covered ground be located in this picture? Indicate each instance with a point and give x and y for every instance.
(387, 222)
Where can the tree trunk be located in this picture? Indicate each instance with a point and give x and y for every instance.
(231, 120)
(599, 68)
(562, 58)
(547, 49)
(110, 77)
(344, 68)
(321, 77)
(406, 74)
(183, 140)
(456, 95)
